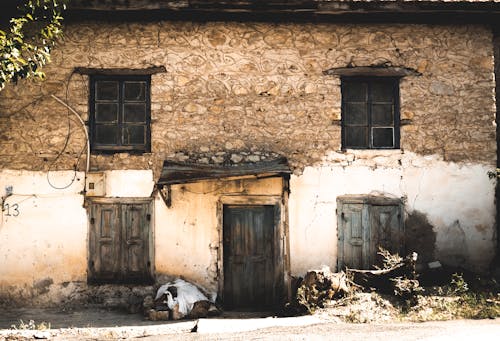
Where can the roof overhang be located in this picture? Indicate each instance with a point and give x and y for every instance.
(403, 11)
(179, 172)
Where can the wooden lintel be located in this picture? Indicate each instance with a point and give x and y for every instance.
(120, 71)
(375, 71)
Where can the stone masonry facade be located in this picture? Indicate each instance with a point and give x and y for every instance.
(250, 90)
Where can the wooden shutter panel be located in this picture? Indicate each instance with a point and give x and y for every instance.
(104, 243)
(135, 247)
(354, 236)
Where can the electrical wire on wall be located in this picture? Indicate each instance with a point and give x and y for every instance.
(70, 111)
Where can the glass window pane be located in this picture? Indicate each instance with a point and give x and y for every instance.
(106, 91)
(356, 113)
(106, 134)
(106, 112)
(383, 137)
(382, 115)
(135, 91)
(134, 135)
(354, 92)
(382, 91)
(134, 112)
(356, 137)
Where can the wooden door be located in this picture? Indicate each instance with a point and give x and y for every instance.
(251, 272)
(119, 243)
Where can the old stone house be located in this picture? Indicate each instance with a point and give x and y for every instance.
(237, 144)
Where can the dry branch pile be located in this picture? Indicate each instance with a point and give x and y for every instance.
(397, 277)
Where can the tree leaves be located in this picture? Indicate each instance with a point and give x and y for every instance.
(24, 47)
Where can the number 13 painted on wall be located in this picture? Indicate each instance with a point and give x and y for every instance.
(12, 210)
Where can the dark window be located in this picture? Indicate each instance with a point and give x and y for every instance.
(120, 113)
(370, 113)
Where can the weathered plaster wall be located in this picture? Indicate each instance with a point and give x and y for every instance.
(187, 235)
(462, 231)
(43, 230)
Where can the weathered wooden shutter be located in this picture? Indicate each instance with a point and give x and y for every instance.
(135, 231)
(354, 236)
(104, 243)
(364, 225)
(386, 226)
(119, 243)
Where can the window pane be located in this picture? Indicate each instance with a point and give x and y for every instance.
(356, 113)
(134, 135)
(134, 112)
(106, 134)
(106, 112)
(135, 91)
(382, 115)
(354, 92)
(356, 137)
(382, 91)
(383, 137)
(106, 91)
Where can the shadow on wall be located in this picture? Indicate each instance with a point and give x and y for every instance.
(420, 237)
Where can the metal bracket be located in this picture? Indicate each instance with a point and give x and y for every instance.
(166, 194)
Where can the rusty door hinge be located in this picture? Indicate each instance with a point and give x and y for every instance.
(92, 220)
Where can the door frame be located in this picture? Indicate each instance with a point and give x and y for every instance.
(283, 252)
(126, 201)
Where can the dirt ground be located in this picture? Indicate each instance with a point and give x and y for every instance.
(453, 309)
(100, 324)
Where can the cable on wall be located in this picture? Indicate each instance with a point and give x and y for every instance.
(87, 167)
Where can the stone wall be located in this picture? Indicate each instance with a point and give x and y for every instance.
(255, 87)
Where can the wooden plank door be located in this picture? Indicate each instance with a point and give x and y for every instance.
(249, 241)
(119, 243)
(354, 237)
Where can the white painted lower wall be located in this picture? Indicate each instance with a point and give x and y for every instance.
(458, 200)
(48, 236)
(43, 231)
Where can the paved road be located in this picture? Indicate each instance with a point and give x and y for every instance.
(446, 330)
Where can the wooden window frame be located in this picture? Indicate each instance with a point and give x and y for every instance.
(394, 81)
(97, 148)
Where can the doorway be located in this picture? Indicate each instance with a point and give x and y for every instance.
(252, 257)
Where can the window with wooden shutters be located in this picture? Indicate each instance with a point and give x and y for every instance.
(120, 241)
(370, 113)
(366, 223)
(120, 113)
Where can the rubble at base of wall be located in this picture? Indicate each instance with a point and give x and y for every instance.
(78, 294)
(132, 298)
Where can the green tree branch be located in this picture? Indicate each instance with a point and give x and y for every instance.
(26, 45)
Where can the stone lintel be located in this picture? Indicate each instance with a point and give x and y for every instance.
(372, 71)
(120, 71)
